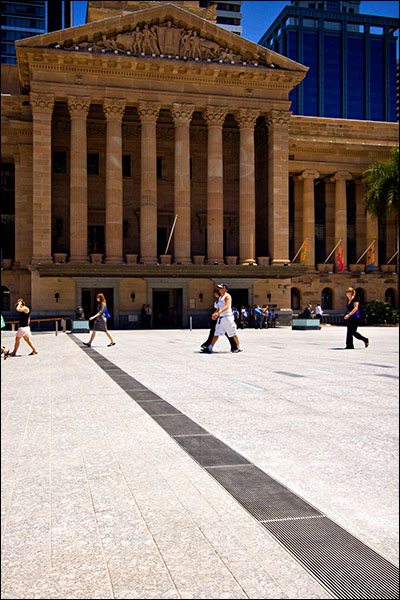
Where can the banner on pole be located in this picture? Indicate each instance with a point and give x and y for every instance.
(340, 261)
(303, 253)
(370, 262)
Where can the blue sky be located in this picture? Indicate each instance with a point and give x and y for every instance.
(258, 16)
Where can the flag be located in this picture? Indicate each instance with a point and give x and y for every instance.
(340, 262)
(370, 258)
(303, 252)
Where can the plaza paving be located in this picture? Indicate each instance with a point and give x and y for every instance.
(98, 501)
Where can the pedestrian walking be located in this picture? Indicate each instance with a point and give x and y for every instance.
(100, 321)
(318, 311)
(24, 330)
(213, 325)
(352, 318)
(223, 315)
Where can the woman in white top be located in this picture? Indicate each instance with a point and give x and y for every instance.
(225, 320)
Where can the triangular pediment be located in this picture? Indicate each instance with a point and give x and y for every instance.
(162, 32)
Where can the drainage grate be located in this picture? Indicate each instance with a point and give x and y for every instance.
(342, 563)
(177, 425)
(339, 561)
(208, 451)
(260, 495)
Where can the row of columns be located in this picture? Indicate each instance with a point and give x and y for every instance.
(339, 225)
(78, 106)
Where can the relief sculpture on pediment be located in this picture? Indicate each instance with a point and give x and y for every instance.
(164, 39)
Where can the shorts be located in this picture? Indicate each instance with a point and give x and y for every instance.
(226, 325)
(24, 331)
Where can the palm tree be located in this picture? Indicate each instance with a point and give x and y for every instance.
(382, 190)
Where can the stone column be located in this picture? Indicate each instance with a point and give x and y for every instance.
(298, 213)
(215, 117)
(340, 179)
(182, 115)
(308, 178)
(148, 113)
(329, 217)
(246, 119)
(278, 182)
(114, 110)
(360, 219)
(42, 110)
(78, 107)
(23, 206)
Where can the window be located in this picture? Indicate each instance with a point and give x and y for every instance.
(326, 299)
(295, 299)
(126, 165)
(92, 164)
(96, 239)
(59, 162)
(390, 297)
(159, 167)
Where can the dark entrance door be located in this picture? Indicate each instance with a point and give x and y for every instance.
(89, 303)
(167, 308)
(240, 297)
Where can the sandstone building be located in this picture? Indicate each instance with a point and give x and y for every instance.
(116, 130)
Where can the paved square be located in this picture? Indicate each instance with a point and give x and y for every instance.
(100, 502)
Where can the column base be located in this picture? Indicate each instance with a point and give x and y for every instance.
(215, 261)
(281, 262)
(149, 260)
(182, 261)
(78, 259)
(40, 260)
(248, 262)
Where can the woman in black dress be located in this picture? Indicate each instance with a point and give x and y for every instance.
(352, 318)
(100, 321)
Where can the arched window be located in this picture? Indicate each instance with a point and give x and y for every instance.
(5, 298)
(295, 299)
(326, 299)
(360, 295)
(390, 297)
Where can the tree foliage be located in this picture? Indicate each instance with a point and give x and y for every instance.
(382, 187)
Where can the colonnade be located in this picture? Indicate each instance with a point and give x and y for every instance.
(148, 111)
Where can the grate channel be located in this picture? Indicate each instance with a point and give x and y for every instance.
(341, 562)
(208, 451)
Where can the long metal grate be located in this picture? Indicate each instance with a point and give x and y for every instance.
(345, 566)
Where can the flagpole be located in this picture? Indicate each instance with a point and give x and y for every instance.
(367, 251)
(392, 257)
(298, 251)
(170, 235)
(328, 257)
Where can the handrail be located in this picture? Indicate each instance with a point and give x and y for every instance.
(56, 319)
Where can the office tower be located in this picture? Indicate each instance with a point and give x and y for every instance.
(25, 19)
(351, 59)
(228, 15)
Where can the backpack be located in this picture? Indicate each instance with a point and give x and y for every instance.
(107, 314)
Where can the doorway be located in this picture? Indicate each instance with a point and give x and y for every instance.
(89, 303)
(240, 297)
(167, 308)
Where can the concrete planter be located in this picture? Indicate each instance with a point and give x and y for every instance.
(7, 263)
(165, 259)
(131, 259)
(60, 257)
(388, 268)
(198, 259)
(231, 260)
(96, 258)
(325, 267)
(357, 268)
(263, 261)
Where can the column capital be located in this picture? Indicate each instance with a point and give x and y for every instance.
(148, 111)
(182, 113)
(341, 176)
(277, 117)
(246, 117)
(42, 102)
(309, 175)
(78, 106)
(114, 108)
(215, 115)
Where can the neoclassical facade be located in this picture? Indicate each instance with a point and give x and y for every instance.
(152, 153)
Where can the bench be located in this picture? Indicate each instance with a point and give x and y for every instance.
(80, 327)
(303, 324)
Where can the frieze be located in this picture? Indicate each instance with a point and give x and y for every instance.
(164, 40)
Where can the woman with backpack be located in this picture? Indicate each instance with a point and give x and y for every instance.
(100, 321)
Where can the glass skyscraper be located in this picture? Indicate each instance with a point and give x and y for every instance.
(228, 14)
(25, 19)
(351, 59)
